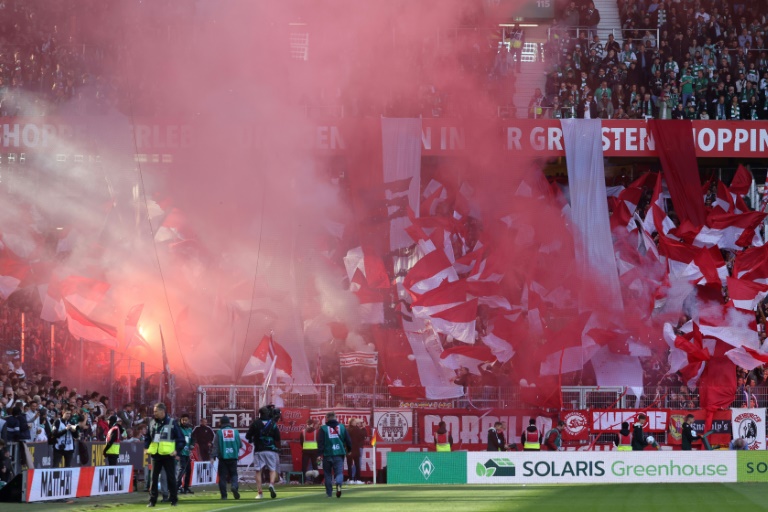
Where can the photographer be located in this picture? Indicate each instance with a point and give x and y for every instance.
(63, 436)
(265, 437)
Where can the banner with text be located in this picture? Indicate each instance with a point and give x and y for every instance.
(749, 424)
(593, 467)
(470, 428)
(205, 473)
(610, 420)
(365, 359)
(721, 426)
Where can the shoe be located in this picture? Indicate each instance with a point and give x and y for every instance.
(272, 492)
(189, 491)
(236, 494)
(174, 503)
(150, 505)
(338, 491)
(259, 496)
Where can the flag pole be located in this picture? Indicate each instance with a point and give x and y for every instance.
(373, 447)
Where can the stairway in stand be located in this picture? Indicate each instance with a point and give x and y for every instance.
(609, 20)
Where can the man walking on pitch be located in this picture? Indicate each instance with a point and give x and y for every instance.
(227, 449)
(265, 436)
(333, 444)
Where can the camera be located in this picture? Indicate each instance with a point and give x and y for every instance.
(269, 412)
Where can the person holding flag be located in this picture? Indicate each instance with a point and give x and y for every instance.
(227, 449)
(333, 444)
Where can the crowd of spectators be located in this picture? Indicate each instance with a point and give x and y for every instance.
(675, 60)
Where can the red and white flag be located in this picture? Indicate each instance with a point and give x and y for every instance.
(752, 264)
(266, 352)
(469, 357)
(80, 326)
(370, 265)
(12, 272)
(458, 321)
(429, 272)
(745, 295)
(441, 298)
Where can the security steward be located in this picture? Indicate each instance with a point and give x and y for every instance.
(530, 437)
(309, 450)
(625, 438)
(164, 441)
(443, 439)
(227, 449)
(553, 440)
(115, 435)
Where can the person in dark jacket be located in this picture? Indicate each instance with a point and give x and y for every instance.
(357, 436)
(202, 438)
(496, 440)
(688, 435)
(639, 440)
(17, 426)
(6, 467)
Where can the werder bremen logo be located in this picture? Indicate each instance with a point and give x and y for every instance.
(496, 467)
(427, 468)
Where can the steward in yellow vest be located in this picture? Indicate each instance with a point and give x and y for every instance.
(114, 437)
(308, 440)
(624, 443)
(530, 437)
(443, 439)
(164, 441)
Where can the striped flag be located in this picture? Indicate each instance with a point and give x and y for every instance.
(366, 359)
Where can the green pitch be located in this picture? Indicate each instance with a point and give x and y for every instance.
(474, 498)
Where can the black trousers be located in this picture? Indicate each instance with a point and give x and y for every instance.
(227, 471)
(185, 472)
(62, 454)
(112, 460)
(160, 462)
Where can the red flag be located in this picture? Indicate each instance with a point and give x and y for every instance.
(466, 356)
(677, 152)
(741, 181)
(745, 294)
(429, 272)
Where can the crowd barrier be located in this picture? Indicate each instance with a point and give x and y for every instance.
(717, 466)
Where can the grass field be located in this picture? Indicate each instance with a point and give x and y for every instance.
(470, 498)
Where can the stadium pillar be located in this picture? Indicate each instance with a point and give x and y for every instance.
(111, 375)
(22, 338)
(80, 373)
(52, 349)
(142, 389)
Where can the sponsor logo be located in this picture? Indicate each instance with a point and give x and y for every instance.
(392, 427)
(621, 468)
(228, 434)
(426, 468)
(496, 467)
(204, 473)
(111, 480)
(568, 468)
(56, 483)
(575, 423)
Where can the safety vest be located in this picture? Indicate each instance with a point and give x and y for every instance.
(334, 440)
(441, 443)
(162, 441)
(625, 443)
(531, 444)
(114, 449)
(558, 439)
(310, 440)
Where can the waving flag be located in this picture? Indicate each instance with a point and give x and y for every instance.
(458, 321)
(132, 327)
(80, 326)
(12, 272)
(262, 358)
(469, 357)
(745, 295)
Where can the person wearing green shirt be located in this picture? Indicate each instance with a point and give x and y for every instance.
(333, 444)
(686, 81)
(227, 448)
(702, 84)
(183, 465)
